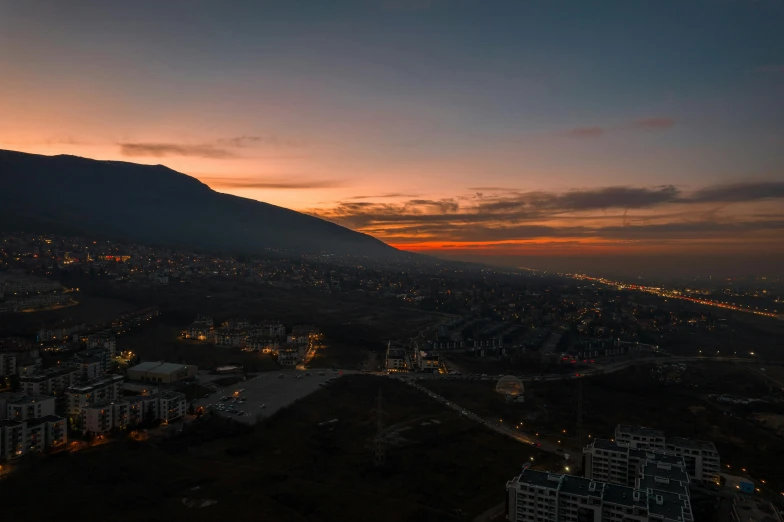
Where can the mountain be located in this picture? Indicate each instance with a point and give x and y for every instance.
(154, 204)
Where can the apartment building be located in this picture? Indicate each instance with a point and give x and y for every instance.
(172, 406)
(427, 361)
(50, 382)
(20, 407)
(97, 418)
(105, 417)
(290, 355)
(12, 439)
(702, 459)
(7, 364)
(396, 358)
(605, 460)
(639, 437)
(610, 461)
(103, 390)
(537, 496)
(17, 438)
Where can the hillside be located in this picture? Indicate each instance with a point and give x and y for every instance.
(154, 204)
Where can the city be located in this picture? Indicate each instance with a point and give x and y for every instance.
(392, 261)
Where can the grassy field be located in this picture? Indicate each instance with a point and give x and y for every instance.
(90, 310)
(438, 466)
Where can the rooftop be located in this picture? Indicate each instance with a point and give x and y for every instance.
(655, 484)
(639, 430)
(158, 367)
(691, 444)
(623, 496)
(581, 486)
(609, 445)
(664, 470)
(667, 505)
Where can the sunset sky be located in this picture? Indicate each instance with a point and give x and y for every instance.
(498, 129)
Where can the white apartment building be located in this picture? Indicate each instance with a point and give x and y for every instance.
(50, 382)
(427, 361)
(537, 496)
(12, 439)
(702, 459)
(228, 338)
(97, 418)
(7, 364)
(172, 406)
(33, 435)
(639, 437)
(143, 408)
(612, 462)
(19, 407)
(105, 389)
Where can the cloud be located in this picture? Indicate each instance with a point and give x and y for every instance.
(216, 149)
(280, 184)
(615, 214)
(585, 132)
(384, 196)
(160, 150)
(738, 192)
(268, 142)
(654, 124)
(770, 69)
(218, 182)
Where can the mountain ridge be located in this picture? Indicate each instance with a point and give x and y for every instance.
(156, 204)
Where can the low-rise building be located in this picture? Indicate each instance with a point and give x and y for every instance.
(396, 358)
(161, 372)
(289, 355)
(427, 361)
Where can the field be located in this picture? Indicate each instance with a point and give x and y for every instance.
(438, 466)
(90, 310)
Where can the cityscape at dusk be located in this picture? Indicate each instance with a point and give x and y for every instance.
(392, 260)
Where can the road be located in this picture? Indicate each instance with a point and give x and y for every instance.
(497, 427)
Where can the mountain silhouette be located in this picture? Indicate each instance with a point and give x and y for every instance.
(155, 204)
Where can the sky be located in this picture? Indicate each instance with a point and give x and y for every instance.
(518, 132)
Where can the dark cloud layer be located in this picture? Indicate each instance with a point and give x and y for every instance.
(524, 215)
(160, 150)
(270, 184)
(217, 149)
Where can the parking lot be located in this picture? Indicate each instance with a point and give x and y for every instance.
(266, 393)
